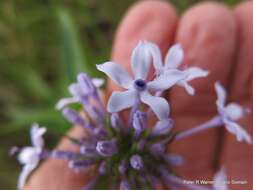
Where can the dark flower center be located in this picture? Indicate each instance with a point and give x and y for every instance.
(140, 84)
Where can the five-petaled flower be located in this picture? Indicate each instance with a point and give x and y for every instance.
(29, 157)
(173, 61)
(229, 113)
(140, 88)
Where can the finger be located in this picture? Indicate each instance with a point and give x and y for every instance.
(154, 21)
(207, 33)
(55, 174)
(238, 157)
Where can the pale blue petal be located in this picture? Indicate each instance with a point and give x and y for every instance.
(121, 100)
(234, 111)
(174, 57)
(156, 56)
(36, 133)
(238, 131)
(141, 61)
(117, 73)
(159, 105)
(27, 169)
(220, 179)
(221, 94)
(166, 80)
(195, 72)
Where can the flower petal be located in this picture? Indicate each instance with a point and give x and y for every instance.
(27, 169)
(221, 94)
(65, 101)
(36, 134)
(189, 89)
(220, 180)
(234, 111)
(141, 61)
(159, 105)
(163, 127)
(166, 80)
(238, 131)
(98, 82)
(174, 57)
(121, 100)
(195, 72)
(156, 56)
(117, 73)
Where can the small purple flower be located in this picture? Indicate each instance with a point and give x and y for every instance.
(73, 117)
(229, 114)
(139, 88)
(173, 61)
(29, 157)
(139, 121)
(136, 162)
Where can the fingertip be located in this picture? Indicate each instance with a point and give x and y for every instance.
(149, 20)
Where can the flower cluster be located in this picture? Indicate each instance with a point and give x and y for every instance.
(129, 151)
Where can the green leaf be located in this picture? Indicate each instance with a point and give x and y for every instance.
(72, 56)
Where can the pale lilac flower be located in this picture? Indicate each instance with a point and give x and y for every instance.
(173, 61)
(229, 113)
(29, 157)
(140, 87)
(220, 180)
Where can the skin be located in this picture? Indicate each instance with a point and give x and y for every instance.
(215, 38)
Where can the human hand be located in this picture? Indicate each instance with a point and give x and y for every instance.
(214, 38)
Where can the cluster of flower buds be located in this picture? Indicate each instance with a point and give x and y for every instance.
(129, 151)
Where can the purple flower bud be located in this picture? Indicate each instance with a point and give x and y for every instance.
(122, 167)
(107, 148)
(116, 122)
(157, 149)
(163, 127)
(100, 132)
(139, 121)
(78, 165)
(136, 162)
(86, 83)
(102, 168)
(73, 117)
(88, 150)
(124, 185)
(59, 154)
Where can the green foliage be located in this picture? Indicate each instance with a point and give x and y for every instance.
(43, 44)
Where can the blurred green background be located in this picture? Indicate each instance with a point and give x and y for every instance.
(43, 44)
